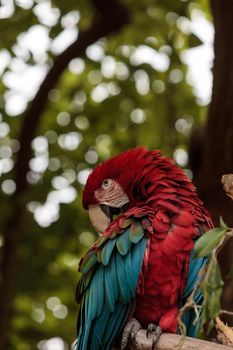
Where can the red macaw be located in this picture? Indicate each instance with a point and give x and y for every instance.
(141, 270)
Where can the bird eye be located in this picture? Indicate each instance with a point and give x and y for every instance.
(107, 183)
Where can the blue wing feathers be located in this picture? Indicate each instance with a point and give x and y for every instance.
(131, 275)
(193, 274)
(89, 261)
(99, 329)
(108, 287)
(93, 301)
(111, 286)
(123, 243)
(136, 260)
(124, 290)
(195, 265)
(138, 253)
(100, 287)
(111, 283)
(107, 251)
(116, 325)
(83, 339)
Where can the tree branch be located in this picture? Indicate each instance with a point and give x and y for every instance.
(110, 16)
(169, 341)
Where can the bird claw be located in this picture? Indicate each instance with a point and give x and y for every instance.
(130, 332)
(155, 332)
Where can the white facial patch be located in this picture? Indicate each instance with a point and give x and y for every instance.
(114, 196)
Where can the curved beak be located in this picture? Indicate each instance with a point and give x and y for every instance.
(98, 218)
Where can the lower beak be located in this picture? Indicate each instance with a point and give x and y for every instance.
(98, 218)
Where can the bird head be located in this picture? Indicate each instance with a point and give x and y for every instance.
(110, 188)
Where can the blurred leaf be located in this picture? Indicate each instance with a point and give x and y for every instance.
(207, 242)
(215, 284)
(212, 291)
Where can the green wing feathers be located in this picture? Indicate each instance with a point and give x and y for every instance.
(110, 272)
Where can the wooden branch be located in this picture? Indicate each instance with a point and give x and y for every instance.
(169, 341)
(227, 181)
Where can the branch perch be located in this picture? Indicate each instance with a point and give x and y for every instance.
(169, 341)
(227, 181)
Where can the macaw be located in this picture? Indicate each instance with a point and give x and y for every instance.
(142, 268)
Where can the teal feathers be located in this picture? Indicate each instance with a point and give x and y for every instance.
(107, 251)
(195, 267)
(108, 285)
(89, 261)
(123, 243)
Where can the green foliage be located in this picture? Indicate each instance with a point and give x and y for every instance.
(212, 283)
(210, 240)
(212, 291)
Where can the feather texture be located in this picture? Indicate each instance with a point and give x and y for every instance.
(123, 243)
(107, 251)
(194, 272)
(107, 295)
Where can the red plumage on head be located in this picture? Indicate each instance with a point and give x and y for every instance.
(135, 170)
(121, 168)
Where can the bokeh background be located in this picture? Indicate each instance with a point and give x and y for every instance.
(81, 81)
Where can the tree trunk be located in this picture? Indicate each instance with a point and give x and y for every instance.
(217, 158)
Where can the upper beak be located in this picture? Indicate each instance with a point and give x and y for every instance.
(98, 218)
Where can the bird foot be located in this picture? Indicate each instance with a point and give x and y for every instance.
(154, 332)
(130, 332)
